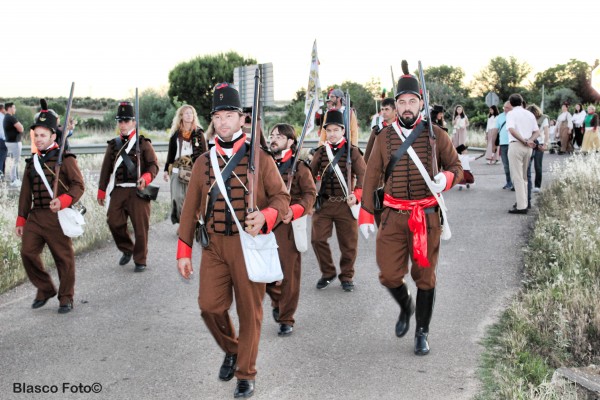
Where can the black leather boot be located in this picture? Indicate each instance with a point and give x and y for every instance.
(425, 300)
(403, 298)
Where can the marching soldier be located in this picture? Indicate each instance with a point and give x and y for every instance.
(222, 268)
(118, 186)
(334, 201)
(285, 294)
(336, 101)
(411, 226)
(37, 222)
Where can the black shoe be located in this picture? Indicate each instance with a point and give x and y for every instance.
(65, 308)
(244, 388)
(228, 367)
(276, 314)
(39, 303)
(421, 343)
(517, 211)
(139, 267)
(348, 286)
(285, 330)
(324, 282)
(407, 308)
(125, 258)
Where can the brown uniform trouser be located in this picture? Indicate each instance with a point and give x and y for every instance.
(125, 203)
(286, 295)
(222, 268)
(42, 227)
(394, 247)
(346, 228)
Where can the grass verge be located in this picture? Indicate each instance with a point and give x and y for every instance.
(555, 319)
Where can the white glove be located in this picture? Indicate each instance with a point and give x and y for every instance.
(365, 229)
(439, 183)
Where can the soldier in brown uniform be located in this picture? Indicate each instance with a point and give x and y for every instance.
(119, 184)
(222, 267)
(410, 221)
(37, 222)
(333, 203)
(285, 294)
(337, 100)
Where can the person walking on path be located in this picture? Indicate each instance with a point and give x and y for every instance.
(223, 271)
(411, 227)
(285, 294)
(591, 140)
(523, 130)
(564, 124)
(186, 144)
(38, 223)
(13, 132)
(119, 184)
(460, 122)
(491, 131)
(333, 205)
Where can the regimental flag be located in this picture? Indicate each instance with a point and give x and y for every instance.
(313, 90)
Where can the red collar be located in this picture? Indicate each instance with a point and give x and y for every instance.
(130, 135)
(339, 145)
(287, 154)
(236, 145)
(52, 147)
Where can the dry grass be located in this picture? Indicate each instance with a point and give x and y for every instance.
(96, 229)
(555, 321)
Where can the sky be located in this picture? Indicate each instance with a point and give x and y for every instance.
(109, 47)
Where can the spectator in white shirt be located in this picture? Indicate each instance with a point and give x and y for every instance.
(564, 126)
(578, 119)
(522, 131)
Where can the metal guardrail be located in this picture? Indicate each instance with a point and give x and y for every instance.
(164, 146)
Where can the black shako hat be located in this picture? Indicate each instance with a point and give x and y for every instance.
(226, 98)
(334, 117)
(461, 148)
(407, 83)
(46, 118)
(437, 108)
(125, 111)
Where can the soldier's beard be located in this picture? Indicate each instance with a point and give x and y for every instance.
(408, 122)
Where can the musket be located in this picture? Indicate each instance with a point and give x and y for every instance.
(348, 112)
(63, 141)
(393, 80)
(296, 157)
(254, 158)
(432, 139)
(137, 134)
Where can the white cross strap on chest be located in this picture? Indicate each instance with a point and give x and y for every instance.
(71, 221)
(260, 251)
(446, 233)
(111, 182)
(338, 173)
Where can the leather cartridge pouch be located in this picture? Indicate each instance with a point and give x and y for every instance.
(202, 234)
(378, 200)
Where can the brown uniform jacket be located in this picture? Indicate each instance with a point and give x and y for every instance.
(149, 163)
(271, 193)
(303, 191)
(34, 194)
(405, 181)
(330, 185)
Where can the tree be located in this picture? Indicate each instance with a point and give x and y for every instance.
(574, 75)
(503, 76)
(362, 101)
(192, 81)
(156, 110)
(447, 75)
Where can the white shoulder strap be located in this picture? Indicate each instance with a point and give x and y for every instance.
(337, 170)
(38, 168)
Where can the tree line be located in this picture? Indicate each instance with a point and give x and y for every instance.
(191, 82)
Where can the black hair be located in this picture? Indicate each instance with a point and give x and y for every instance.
(580, 107)
(388, 101)
(9, 105)
(494, 111)
(462, 114)
(515, 100)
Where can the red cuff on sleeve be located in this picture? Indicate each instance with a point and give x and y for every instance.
(65, 201)
(449, 179)
(297, 210)
(358, 194)
(365, 217)
(101, 194)
(270, 218)
(183, 250)
(20, 221)
(147, 178)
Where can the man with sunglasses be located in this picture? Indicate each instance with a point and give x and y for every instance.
(118, 186)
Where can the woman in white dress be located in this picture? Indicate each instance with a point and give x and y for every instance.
(492, 153)
(460, 122)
